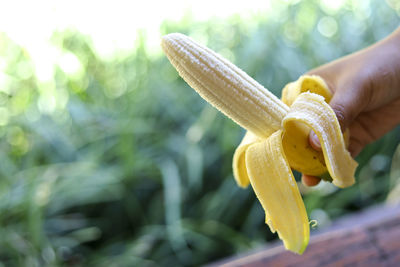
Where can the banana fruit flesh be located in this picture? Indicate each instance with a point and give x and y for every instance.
(277, 133)
(225, 86)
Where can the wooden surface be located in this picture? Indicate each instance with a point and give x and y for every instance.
(370, 238)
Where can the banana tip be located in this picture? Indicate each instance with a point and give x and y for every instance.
(167, 40)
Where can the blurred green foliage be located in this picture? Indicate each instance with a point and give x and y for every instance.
(119, 163)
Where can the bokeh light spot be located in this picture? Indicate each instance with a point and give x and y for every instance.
(327, 26)
(71, 65)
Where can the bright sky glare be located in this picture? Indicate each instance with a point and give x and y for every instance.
(112, 25)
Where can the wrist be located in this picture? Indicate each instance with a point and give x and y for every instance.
(383, 63)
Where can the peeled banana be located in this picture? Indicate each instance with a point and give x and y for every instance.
(277, 133)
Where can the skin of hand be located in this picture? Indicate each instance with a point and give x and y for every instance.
(366, 94)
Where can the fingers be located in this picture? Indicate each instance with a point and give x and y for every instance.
(370, 126)
(347, 104)
(314, 141)
(309, 180)
(355, 147)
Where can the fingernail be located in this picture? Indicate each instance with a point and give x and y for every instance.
(303, 180)
(309, 180)
(314, 141)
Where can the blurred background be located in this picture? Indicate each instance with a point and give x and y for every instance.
(107, 158)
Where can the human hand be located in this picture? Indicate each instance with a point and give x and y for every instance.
(366, 94)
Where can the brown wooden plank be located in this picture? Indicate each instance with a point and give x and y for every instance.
(370, 238)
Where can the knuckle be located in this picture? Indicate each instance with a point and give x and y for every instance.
(341, 115)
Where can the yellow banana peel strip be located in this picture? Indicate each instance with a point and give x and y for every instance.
(239, 159)
(302, 157)
(277, 191)
(306, 83)
(277, 137)
(339, 162)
